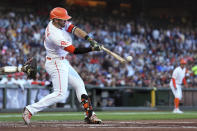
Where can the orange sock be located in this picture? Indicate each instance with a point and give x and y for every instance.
(176, 103)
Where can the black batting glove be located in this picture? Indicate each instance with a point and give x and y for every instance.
(94, 44)
(96, 48)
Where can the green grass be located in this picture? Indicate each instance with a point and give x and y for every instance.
(62, 116)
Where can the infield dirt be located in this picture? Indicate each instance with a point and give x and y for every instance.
(140, 125)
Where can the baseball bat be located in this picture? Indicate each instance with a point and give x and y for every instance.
(119, 58)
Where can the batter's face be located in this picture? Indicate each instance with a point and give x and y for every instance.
(59, 23)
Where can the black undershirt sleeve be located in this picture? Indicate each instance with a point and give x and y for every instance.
(82, 50)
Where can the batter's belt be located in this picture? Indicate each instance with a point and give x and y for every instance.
(57, 58)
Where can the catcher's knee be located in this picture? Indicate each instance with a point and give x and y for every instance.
(85, 101)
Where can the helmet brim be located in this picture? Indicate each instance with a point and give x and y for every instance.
(65, 18)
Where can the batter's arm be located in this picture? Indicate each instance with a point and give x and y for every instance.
(81, 50)
(80, 33)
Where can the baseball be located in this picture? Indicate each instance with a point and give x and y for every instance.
(129, 58)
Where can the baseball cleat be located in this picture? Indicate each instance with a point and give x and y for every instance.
(177, 111)
(93, 120)
(86, 120)
(26, 116)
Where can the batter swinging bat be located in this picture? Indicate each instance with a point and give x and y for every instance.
(122, 60)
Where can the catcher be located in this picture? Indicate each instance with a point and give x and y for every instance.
(30, 68)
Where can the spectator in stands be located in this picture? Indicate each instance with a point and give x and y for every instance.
(155, 49)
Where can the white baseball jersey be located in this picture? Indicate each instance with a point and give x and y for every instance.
(56, 40)
(59, 69)
(178, 74)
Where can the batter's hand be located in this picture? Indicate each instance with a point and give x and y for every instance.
(94, 44)
(96, 48)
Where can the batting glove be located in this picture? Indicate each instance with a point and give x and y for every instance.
(97, 48)
(94, 44)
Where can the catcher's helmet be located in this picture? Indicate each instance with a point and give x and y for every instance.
(59, 13)
(182, 61)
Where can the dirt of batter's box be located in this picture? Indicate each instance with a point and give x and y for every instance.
(140, 125)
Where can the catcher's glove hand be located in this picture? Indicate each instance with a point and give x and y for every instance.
(30, 68)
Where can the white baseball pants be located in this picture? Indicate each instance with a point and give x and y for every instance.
(176, 92)
(62, 74)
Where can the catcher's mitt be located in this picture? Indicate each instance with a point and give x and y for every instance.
(30, 68)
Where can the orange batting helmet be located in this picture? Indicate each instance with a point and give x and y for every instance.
(182, 61)
(59, 13)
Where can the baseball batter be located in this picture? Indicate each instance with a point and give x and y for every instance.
(58, 44)
(178, 77)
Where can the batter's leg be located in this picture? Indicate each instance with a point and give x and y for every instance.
(59, 75)
(77, 83)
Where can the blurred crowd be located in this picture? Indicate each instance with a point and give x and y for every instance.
(156, 48)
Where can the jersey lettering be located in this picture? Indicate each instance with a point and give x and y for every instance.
(63, 43)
